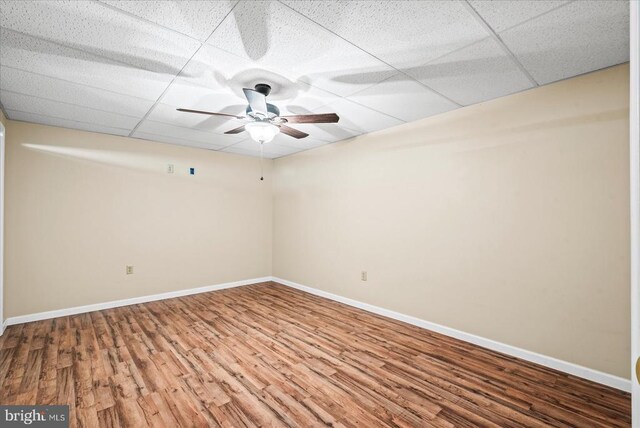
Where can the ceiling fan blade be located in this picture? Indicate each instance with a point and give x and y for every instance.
(236, 130)
(312, 118)
(209, 113)
(292, 132)
(257, 101)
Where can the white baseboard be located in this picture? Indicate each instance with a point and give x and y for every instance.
(554, 363)
(126, 302)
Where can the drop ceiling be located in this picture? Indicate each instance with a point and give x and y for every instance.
(123, 67)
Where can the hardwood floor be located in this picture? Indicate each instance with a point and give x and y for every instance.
(268, 355)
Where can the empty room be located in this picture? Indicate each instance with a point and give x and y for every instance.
(297, 213)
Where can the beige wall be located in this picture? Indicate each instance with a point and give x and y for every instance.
(507, 219)
(3, 120)
(80, 206)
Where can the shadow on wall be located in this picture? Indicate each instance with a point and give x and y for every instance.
(105, 157)
(207, 169)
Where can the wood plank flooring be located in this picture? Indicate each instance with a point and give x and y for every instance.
(269, 355)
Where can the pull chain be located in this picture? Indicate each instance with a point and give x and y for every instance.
(261, 170)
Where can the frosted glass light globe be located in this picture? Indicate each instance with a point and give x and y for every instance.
(261, 132)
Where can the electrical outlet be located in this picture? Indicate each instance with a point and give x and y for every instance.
(363, 275)
(170, 168)
(129, 270)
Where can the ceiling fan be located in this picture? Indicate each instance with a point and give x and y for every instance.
(265, 120)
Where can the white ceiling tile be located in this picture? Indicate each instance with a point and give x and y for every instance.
(171, 131)
(173, 140)
(285, 141)
(402, 33)
(213, 81)
(577, 38)
(357, 117)
(404, 98)
(239, 151)
(474, 74)
(93, 28)
(184, 94)
(221, 71)
(97, 66)
(302, 99)
(39, 56)
(328, 132)
(268, 148)
(64, 123)
(278, 39)
(194, 18)
(29, 104)
(15, 80)
(252, 153)
(500, 14)
(215, 68)
(290, 151)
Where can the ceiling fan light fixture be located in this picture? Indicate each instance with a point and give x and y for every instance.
(267, 122)
(261, 132)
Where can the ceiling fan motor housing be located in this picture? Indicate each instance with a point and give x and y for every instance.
(263, 88)
(272, 111)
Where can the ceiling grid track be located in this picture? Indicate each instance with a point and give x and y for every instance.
(67, 120)
(45, 40)
(117, 74)
(546, 12)
(69, 104)
(67, 81)
(139, 18)
(180, 72)
(499, 40)
(373, 56)
(4, 112)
